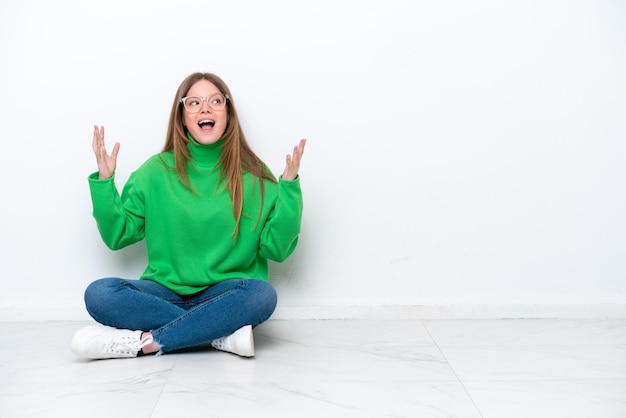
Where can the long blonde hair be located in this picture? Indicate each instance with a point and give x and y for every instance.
(237, 156)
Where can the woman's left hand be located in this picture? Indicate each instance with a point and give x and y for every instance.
(293, 161)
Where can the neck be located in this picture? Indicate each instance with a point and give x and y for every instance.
(204, 155)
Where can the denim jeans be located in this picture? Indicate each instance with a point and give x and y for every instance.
(180, 321)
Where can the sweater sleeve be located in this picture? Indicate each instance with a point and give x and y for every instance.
(280, 233)
(120, 219)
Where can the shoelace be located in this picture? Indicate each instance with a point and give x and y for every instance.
(126, 345)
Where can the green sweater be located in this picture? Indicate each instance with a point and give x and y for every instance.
(189, 236)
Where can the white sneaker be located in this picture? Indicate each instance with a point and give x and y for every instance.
(102, 342)
(240, 342)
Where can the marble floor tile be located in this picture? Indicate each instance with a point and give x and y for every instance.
(40, 353)
(550, 398)
(318, 398)
(80, 400)
(40, 377)
(423, 364)
(537, 362)
(348, 333)
(332, 368)
(527, 332)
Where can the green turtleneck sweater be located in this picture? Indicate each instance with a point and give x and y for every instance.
(189, 236)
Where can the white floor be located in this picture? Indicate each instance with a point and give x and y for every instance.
(332, 368)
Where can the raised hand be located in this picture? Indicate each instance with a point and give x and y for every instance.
(106, 162)
(293, 161)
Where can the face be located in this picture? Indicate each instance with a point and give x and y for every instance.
(208, 125)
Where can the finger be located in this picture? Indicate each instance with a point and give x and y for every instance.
(98, 138)
(95, 138)
(298, 151)
(301, 146)
(101, 137)
(116, 149)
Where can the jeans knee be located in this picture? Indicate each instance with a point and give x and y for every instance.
(97, 295)
(265, 296)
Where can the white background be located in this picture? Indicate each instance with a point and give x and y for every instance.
(461, 153)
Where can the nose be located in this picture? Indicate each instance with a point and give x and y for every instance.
(205, 105)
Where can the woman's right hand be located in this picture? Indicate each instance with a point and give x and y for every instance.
(106, 162)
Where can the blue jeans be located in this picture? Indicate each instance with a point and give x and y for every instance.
(180, 321)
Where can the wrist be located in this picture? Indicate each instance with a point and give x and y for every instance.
(104, 176)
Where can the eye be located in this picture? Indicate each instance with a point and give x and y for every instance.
(217, 100)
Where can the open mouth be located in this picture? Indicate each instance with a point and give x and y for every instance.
(206, 124)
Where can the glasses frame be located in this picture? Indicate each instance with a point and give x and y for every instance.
(204, 99)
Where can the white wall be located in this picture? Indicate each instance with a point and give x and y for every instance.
(464, 158)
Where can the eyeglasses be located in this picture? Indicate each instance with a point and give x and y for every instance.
(193, 104)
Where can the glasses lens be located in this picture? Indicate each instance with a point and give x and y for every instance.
(216, 102)
(193, 104)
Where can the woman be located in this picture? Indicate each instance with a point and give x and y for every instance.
(212, 215)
